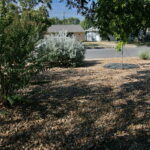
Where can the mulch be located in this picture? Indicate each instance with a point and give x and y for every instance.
(86, 108)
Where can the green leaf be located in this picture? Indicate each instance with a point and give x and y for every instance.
(10, 100)
(119, 46)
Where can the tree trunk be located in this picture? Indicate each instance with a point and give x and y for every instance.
(3, 89)
(122, 52)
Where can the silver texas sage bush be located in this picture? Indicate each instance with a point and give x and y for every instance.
(61, 51)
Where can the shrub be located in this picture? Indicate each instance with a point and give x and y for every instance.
(62, 51)
(144, 55)
(18, 62)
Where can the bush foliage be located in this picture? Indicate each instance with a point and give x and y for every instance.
(144, 55)
(19, 35)
(61, 51)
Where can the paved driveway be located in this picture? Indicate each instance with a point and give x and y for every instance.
(111, 52)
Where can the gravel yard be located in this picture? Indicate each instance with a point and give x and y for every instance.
(86, 108)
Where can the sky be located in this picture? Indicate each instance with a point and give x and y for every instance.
(60, 10)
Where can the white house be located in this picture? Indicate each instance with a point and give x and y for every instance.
(148, 31)
(92, 35)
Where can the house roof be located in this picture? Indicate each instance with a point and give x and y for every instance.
(68, 28)
(92, 29)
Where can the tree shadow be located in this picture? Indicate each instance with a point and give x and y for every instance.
(90, 63)
(20, 139)
(94, 46)
(130, 130)
(55, 102)
(131, 127)
(84, 115)
(140, 85)
(134, 117)
(121, 66)
(60, 100)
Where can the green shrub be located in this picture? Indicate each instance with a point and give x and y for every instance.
(144, 55)
(62, 51)
(18, 57)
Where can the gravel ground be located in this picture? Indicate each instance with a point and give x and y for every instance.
(86, 108)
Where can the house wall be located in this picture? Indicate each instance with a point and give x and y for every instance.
(147, 38)
(93, 36)
(148, 31)
(79, 36)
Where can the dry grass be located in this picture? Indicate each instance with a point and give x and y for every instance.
(106, 44)
(87, 108)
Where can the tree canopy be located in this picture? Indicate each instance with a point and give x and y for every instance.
(86, 23)
(71, 20)
(122, 18)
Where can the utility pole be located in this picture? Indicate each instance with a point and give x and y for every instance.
(64, 17)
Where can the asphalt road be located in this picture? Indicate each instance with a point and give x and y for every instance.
(111, 52)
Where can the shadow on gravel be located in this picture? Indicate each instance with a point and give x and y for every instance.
(96, 47)
(91, 63)
(76, 115)
(121, 66)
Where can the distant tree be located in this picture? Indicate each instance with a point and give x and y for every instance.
(55, 20)
(87, 23)
(71, 20)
